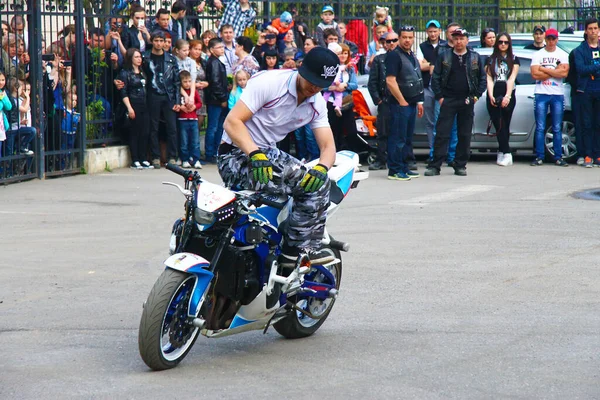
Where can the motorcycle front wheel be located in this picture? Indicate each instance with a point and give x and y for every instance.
(166, 334)
(298, 325)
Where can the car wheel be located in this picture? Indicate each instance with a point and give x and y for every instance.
(569, 148)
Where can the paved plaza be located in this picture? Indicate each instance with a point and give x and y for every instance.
(477, 287)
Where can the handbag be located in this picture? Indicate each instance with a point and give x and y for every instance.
(347, 102)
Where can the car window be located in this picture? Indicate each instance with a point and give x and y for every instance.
(524, 74)
(568, 45)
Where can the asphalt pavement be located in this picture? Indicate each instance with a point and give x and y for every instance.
(477, 287)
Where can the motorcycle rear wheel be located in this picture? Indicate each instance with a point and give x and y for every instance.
(297, 325)
(166, 335)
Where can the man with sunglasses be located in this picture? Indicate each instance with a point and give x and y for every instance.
(379, 94)
(549, 66)
(538, 38)
(405, 86)
(458, 81)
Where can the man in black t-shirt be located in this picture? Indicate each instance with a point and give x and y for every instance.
(405, 87)
(538, 38)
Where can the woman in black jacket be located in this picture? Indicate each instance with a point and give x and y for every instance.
(133, 94)
(137, 36)
(216, 98)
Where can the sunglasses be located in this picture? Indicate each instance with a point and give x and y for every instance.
(391, 40)
(488, 30)
(503, 42)
(407, 28)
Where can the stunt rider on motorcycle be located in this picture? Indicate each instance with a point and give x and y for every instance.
(273, 104)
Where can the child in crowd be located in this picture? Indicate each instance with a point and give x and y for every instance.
(239, 84)
(5, 105)
(70, 122)
(21, 134)
(188, 124)
(182, 52)
(337, 96)
(282, 25)
(382, 17)
(327, 16)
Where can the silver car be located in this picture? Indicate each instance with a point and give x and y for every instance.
(522, 125)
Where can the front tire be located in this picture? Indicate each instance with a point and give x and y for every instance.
(166, 335)
(297, 325)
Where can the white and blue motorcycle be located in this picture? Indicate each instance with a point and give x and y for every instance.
(223, 278)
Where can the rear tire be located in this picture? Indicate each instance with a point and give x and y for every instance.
(297, 325)
(165, 335)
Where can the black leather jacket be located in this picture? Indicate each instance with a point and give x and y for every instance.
(170, 76)
(475, 73)
(216, 75)
(377, 85)
(130, 39)
(135, 86)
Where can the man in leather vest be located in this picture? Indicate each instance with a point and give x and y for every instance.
(458, 81)
(405, 86)
(378, 90)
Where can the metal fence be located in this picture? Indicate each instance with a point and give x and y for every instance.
(74, 105)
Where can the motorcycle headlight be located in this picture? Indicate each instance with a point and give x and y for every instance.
(203, 217)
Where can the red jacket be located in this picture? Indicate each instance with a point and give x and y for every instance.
(192, 114)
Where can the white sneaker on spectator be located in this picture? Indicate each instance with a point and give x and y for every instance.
(580, 161)
(147, 165)
(197, 165)
(172, 161)
(506, 160)
(499, 157)
(136, 165)
(178, 162)
(26, 152)
(186, 165)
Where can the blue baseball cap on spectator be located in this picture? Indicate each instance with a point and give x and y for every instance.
(286, 17)
(327, 9)
(434, 22)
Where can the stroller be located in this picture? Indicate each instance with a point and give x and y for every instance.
(365, 127)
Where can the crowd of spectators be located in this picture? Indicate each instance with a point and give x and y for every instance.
(153, 75)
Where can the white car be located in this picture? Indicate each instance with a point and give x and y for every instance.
(522, 125)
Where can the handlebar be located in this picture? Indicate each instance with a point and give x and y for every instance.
(261, 199)
(187, 174)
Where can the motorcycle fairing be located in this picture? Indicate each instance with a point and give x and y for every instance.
(211, 197)
(196, 265)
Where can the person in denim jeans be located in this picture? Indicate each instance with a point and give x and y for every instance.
(403, 73)
(216, 98)
(188, 124)
(548, 67)
(587, 62)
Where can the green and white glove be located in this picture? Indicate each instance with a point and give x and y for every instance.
(314, 178)
(262, 169)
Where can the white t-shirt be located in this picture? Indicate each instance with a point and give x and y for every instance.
(273, 99)
(544, 58)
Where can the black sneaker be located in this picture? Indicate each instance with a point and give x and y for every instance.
(412, 174)
(536, 162)
(452, 164)
(376, 166)
(431, 172)
(561, 163)
(460, 171)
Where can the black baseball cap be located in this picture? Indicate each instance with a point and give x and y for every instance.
(320, 67)
(460, 32)
(539, 28)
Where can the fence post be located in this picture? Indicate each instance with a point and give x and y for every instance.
(80, 77)
(37, 82)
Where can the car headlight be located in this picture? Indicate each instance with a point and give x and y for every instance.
(203, 217)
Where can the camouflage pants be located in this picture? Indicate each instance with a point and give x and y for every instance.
(309, 210)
